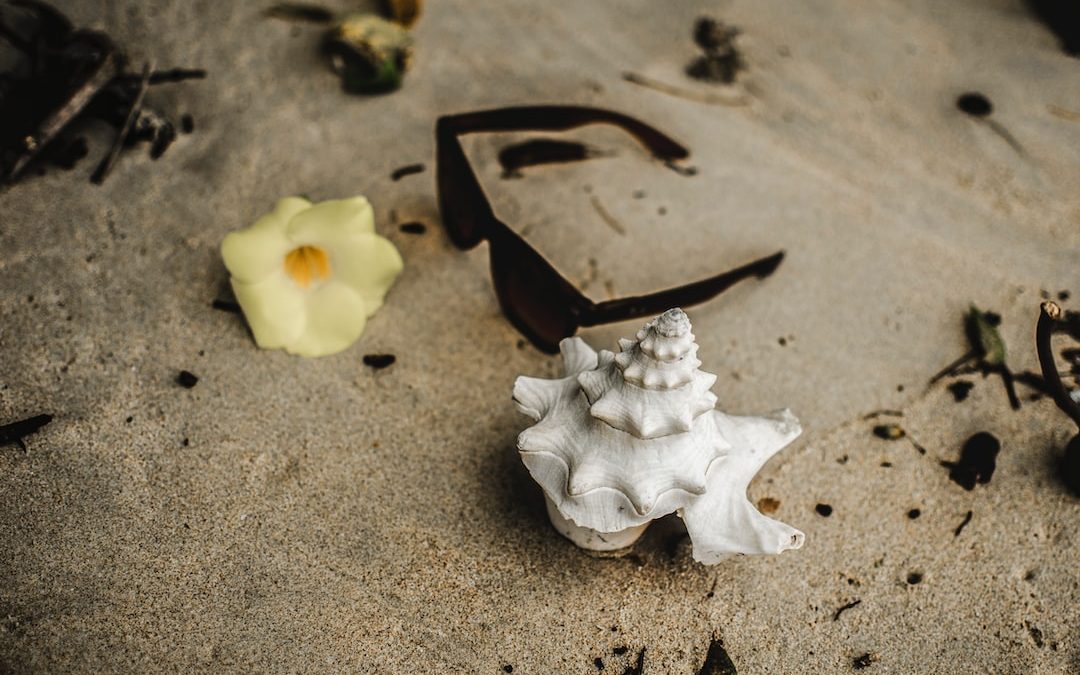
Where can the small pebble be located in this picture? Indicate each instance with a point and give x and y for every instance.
(960, 389)
(974, 104)
(861, 662)
(408, 170)
(379, 361)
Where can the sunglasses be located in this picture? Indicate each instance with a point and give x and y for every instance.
(542, 304)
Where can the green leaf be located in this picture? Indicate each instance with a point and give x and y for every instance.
(983, 334)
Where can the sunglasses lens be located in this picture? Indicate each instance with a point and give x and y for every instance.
(532, 294)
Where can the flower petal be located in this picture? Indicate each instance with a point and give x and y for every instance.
(369, 264)
(326, 221)
(274, 308)
(335, 319)
(257, 251)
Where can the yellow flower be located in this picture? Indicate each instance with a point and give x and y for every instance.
(308, 276)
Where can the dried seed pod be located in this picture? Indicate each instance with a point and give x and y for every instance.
(370, 53)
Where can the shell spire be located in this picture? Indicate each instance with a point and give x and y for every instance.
(653, 387)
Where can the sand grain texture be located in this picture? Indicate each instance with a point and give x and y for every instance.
(291, 515)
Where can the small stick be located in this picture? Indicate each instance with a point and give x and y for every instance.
(167, 76)
(1010, 388)
(1063, 113)
(69, 111)
(952, 367)
(177, 75)
(878, 413)
(14, 432)
(118, 143)
(1050, 313)
(407, 170)
(854, 603)
(1034, 381)
(611, 220)
(689, 94)
(963, 524)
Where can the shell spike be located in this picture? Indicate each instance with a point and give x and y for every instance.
(534, 396)
(577, 356)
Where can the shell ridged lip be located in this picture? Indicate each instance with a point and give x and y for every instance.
(635, 504)
(643, 505)
(580, 476)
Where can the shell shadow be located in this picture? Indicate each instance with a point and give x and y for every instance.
(518, 525)
(514, 503)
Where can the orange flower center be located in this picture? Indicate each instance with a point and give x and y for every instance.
(306, 264)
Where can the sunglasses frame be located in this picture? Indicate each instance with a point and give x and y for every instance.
(468, 218)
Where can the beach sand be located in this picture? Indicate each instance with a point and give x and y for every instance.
(316, 515)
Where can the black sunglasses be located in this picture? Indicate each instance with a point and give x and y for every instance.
(539, 301)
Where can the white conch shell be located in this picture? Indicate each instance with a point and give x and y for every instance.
(625, 439)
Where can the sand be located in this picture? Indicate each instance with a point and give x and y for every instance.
(290, 515)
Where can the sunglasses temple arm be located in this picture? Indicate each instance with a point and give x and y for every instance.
(457, 182)
(691, 294)
(557, 118)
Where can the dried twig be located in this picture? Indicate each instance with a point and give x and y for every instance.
(15, 431)
(688, 94)
(106, 70)
(841, 610)
(963, 523)
(118, 143)
(606, 216)
(953, 367)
